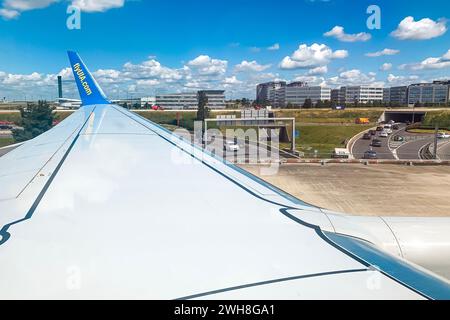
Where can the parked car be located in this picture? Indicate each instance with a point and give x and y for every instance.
(380, 128)
(388, 131)
(373, 132)
(396, 127)
(443, 135)
(384, 134)
(367, 136)
(231, 146)
(399, 138)
(376, 143)
(370, 154)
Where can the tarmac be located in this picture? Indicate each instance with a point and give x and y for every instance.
(373, 190)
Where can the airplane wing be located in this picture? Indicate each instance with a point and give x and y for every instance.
(110, 205)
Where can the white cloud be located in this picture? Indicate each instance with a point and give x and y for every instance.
(13, 8)
(231, 80)
(205, 65)
(148, 83)
(19, 78)
(340, 54)
(312, 80)
(354, 77)
(386, 66)
(107, 76)
(9, 14)
(384, 52)
(274, 47)
(424, 29)
(339, 33)
(24, 5)
(431, 63)
(250, 66)
(108, 73)
(66, 72)
(318, 71)
(151, 69)
(394, 80)
(311, 56)
(446, 56)
(98, 5)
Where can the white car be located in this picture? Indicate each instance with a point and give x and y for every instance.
(443, 135)
(384, 134)
(231, 146)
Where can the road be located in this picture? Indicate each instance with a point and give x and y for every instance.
(383, 152)
(249, 152)
(444, 150)
(412, 146)
(409, 149)
(362, 146)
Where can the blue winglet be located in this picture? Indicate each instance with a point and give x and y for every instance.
(90, 91)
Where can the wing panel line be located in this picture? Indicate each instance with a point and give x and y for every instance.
(4, 234)
(262, 283)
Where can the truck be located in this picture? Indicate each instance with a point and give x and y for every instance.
(362, 121)
(340, 153)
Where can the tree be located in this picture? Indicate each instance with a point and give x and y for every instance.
(308, 104)
(245, 102)
(36, 119)
(203, 110)
(327, 104)
(265, 103)
(289, 105)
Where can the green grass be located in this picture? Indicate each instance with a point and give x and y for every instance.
(441, 118)
(16, 117)
(6, 142)
(329, 116)
(325, 138)
(427, 131)
(11, 116)
(60, 116)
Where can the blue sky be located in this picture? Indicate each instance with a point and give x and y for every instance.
(142, 47)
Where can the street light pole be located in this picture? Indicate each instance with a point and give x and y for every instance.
(436, 130)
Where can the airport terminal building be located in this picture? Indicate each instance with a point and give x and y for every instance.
(189, 100)
(433, 93)
(297, 93)
(280, 94)
(363, 94)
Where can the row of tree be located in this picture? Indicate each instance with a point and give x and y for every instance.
(36, 119)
